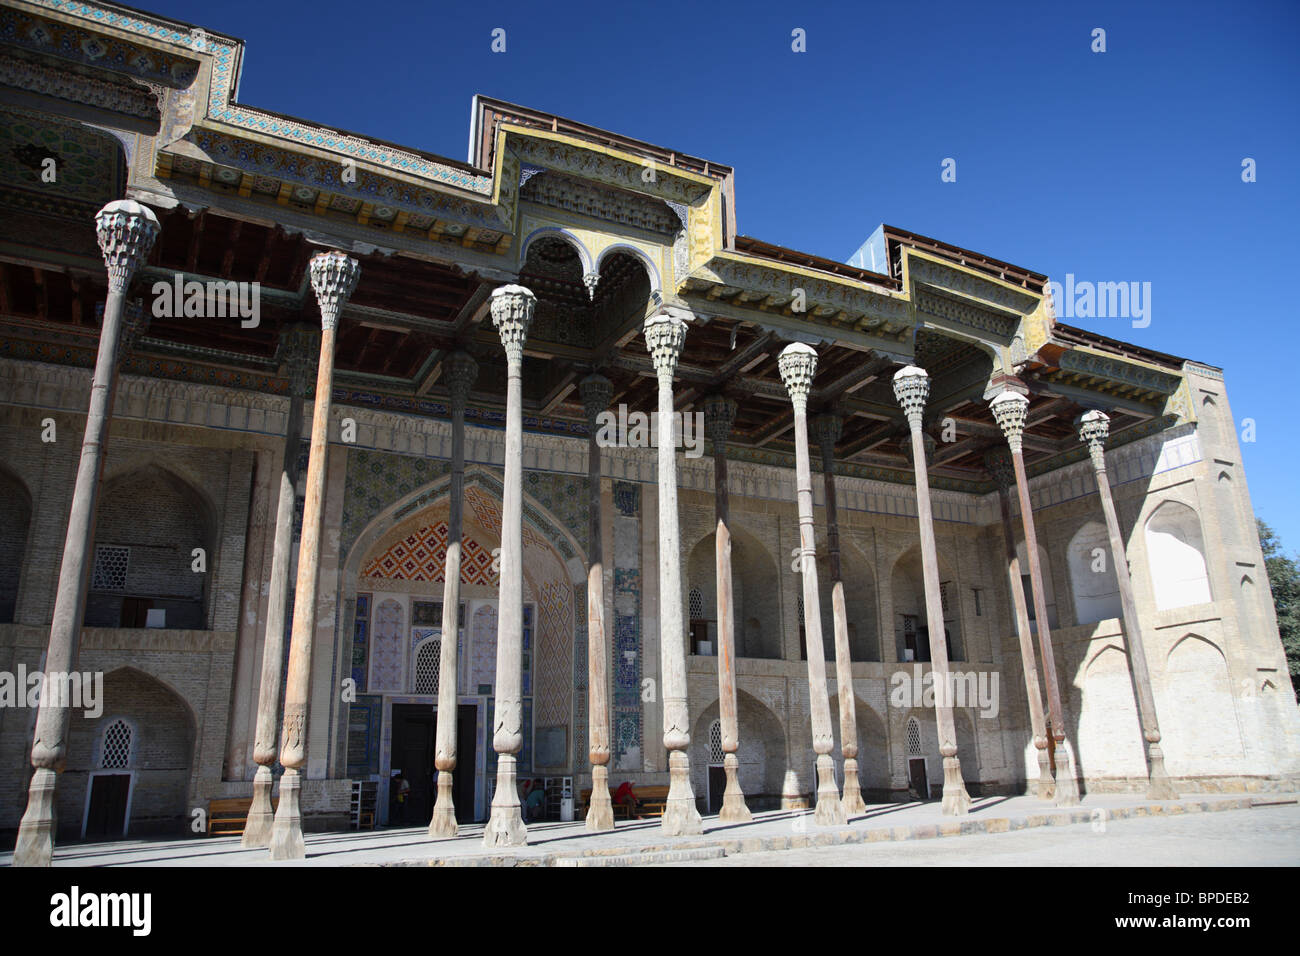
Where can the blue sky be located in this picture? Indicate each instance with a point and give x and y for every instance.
(1115, 166)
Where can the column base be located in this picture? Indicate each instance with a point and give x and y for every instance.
(600, 812)
(680, 816)
(830, 811)
(1046, 786)
(1162, 788)
(261, 818)
(35, 846)
(853, 802)
(791, 797)
(956, 801)
(733, 798)
(1067, 787)
(505, 826)
(286, 832)
(444, 822)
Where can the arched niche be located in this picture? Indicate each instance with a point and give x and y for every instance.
(755, 594)
(15, 519)
(1093, 584)
(1176, 557)
(911, 624)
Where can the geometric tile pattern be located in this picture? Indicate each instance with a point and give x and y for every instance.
(422, 556)
(555, 613)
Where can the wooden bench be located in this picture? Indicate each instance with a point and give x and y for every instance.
(651, 802)
(229, 817)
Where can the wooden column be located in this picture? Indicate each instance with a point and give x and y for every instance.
(459, 370)
(827, 427)
(512, 314)
(596, 393)
(911, 389)
(665, 333)
(1010, 409)
(1094, 427)
(1000, 467)
(719, 414)
(797, 364)
(333, 277)
(296, 355)
(126, 231)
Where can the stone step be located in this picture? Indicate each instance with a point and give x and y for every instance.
(644, 859)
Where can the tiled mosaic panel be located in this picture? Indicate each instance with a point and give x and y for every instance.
(376, 480)
(422, 556)
(363, 735)
(625, 709)
(360, 640)
(555, 613)
(388, 647)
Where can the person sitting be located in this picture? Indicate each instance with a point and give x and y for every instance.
(534, 800)
(624, 797)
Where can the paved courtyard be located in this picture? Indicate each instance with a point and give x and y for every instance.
(1110, 830)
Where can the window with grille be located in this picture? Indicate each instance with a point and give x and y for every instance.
(428, 662)
(111, 563)
(697, 604)
(715, 742)
(913, 737)
(117, 746)
(945, 589)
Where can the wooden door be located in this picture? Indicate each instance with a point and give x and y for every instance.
(919, 781)
(106, 815)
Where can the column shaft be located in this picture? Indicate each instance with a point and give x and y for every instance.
(126, 231)
(596, 394)
(1094, 429)
(828, 431)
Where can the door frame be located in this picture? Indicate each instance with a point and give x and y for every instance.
(925, 773)
(130, 795)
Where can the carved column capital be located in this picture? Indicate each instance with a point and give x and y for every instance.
(126, 231)
(797, 364)
(334, 276)
(596, 392)
(512, 314)
(591, 280)
(1094, 429)
(459, 371)
(1000, 467)
(911, 390)
(1009, 410)
(665, 334)
(299, 350)
(719, 416)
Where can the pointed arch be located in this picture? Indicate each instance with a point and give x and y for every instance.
(1176, 556)
(1093, 583)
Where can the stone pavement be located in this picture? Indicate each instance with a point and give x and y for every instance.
(641, 842)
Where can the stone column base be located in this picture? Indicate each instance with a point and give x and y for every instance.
(261, 818)
(505, 826)
(1046, 784)
(600, 812)
(286, 833)
(35, 846)
(830, 811)
(853, 802)
(733, 798)
(1067, 787)
(1162, 788)
(956, 801)
(680, 816)
(443, 823)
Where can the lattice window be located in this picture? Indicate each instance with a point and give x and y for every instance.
(945, 588)
(913, 737)
(715, 742)
(428, 664)
(799, 605)
(697, 604)
(111, 564)
(117, 745)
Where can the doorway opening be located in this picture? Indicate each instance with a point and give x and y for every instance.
(414, 747)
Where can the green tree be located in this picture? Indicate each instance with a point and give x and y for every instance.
(1284, 580)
